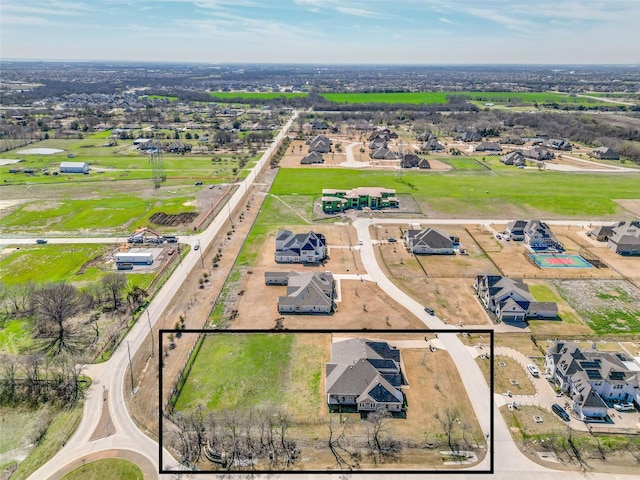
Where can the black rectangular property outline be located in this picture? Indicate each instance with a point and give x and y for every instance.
(490, 441)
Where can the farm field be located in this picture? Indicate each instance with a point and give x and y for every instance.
(294, 383)
(122, 162)
(480, 193)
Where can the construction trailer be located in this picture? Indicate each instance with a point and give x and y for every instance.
(136, 258)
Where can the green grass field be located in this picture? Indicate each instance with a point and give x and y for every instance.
(15, 337)
(462, 163)
(474, 191)
(238, 371)
(543, 293)
(388, 97)
(51, 263)
(120, 162)
(115, 468)
(59, 431)
(117, 213)
(441, 97)
(276, 213)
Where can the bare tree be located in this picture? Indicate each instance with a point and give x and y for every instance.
(345, 458)
(114, 284)
(381, 446)
(54, 305)
(16, 298)
(448, 421)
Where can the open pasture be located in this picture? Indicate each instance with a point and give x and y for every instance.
(114, 214)
(487, 193)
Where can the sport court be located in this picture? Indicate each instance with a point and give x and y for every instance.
(559, 260)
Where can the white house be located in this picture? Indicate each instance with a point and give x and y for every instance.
(429, 241)
(510, 299)
(300, 248)
(591, 378)
(307, 293)
(74, 167)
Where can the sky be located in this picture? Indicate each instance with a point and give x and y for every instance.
(324, 31)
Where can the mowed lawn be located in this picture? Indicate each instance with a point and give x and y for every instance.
(106, 468)
(467, 192)
(238, 371)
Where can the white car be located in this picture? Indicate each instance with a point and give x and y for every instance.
(533, 370)
(624, 407)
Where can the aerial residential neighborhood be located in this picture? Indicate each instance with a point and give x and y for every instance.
(338, 245)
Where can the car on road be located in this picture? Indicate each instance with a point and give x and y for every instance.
(41, 241)
(429, 310)
(561, 412)
(533, 370)
(499, 237)
(196, 247)
(624, 407)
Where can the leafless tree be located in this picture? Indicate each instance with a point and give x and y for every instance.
(345, 458)
(16, 298)
(381, 446)
(54, 306)
(448, 421)
(114, 284)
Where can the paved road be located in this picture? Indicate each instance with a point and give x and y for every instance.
(112, 374)
(510, 462)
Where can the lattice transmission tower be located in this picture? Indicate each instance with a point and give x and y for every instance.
(157, 166)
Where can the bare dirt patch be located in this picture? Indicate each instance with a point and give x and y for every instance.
(172, 220)
(443, 282)
(363, 305)
(512, 258)
(632, 205)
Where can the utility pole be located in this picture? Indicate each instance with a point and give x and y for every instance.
(151, 332)
(130, 366)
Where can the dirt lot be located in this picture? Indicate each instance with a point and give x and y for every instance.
(628, 267)
(443, 282)
(511, 257)
(362, 305)
(506, 372)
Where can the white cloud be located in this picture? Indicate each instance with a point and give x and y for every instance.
(447, 21)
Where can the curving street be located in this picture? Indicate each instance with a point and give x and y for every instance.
(111, 382)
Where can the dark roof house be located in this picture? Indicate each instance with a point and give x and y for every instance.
(364, 375)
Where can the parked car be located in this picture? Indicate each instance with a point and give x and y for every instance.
(561, 412)
(41, 241)
(392, 240)
(429, 310)
(533, 370)
(198, 184)
(624, 407)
